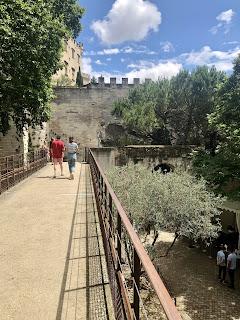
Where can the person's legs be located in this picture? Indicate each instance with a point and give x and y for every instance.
(224, 274)
(61, 165)
(54, 167)
(231, 276)
(73, 167)
(70, 167)
(219, 272)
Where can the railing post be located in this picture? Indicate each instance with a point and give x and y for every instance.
(136, 284)
(119, 245)
(110, 215)
(0, 177)
(7, 174)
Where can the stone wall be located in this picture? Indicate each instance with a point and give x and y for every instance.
(12, 143)
(84, 113)
(150, 156)
(31, 139)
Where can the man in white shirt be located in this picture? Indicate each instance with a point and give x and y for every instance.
(221, 262)
(72, 149)
(231, 266)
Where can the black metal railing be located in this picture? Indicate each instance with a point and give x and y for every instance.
(17, 167)
(130, 269)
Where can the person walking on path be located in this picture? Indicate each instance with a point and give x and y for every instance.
(221, 262)
(72, 149)
(231, 266)
(58, 154)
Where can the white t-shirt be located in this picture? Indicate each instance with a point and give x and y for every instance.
(221, 258)
(232, 258)
(72, 149)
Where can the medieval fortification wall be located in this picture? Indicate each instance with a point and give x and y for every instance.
(84, 113)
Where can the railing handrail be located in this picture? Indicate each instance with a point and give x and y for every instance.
(21, 154)
(158, 285)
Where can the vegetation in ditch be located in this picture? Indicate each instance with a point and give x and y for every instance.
(176, 202)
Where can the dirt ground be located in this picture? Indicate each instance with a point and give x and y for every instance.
(191, 277)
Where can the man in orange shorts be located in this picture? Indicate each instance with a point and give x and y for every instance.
(58, 154)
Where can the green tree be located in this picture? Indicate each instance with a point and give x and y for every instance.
(94, 80)
(144, 110)
(79, 80)
(175, 202)
(222, 166)
(172, 111)
(69, 13)
(31, 37)
(63, 81)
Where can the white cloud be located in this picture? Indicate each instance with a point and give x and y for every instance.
(222, 65)
(100, 63)
(86, 65)
(109, 59)
(226, 16)
(126, 50)
(142, 64)
(108, 51)
(230, 43)
(128, 20)
(167, 46)
(156, 71)
(122, 60)
(206, 56)
(225, 19)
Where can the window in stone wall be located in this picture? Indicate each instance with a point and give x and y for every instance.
(78, 56)
(66, 68)
(73, 74)
(73, 53)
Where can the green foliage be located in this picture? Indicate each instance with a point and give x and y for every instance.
(69, 13)
(219, 169)
(63, 81)
(79, 80)
(94, 80)
(175, 202)
(31, 37)
(223, 166)
(175, 108)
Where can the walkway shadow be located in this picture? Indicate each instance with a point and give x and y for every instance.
(51, 177)
(85, 292)
(191, 277)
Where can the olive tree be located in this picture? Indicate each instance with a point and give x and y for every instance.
(176, 202)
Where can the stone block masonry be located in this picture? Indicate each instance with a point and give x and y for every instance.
(12, 143)
(83, 113)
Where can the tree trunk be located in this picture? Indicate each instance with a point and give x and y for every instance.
(172, 244)
(155, 238)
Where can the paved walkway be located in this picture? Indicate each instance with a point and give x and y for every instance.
(191, 277)
(52, 265)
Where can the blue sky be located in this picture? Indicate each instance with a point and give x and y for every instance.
(156, 38)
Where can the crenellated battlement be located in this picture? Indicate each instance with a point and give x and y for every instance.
(113, 82)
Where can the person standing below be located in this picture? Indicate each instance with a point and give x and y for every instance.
(221, 262)
(58, 154)
(231, 266)
(72, 149)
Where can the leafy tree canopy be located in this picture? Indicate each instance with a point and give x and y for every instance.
(176, 202)
(31, 37)
(175, 110)
(222, 167)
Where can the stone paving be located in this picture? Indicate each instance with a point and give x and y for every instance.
(191, 277)
(51, 254)
(86, 292)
